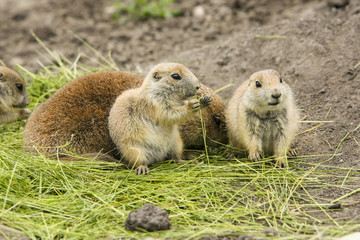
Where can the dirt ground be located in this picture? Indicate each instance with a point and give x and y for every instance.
(314, 44)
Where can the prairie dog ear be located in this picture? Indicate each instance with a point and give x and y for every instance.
(157, 76)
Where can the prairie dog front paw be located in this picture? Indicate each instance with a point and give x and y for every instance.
(194, 104)
(205, 101)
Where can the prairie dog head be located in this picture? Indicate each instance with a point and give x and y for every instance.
(173, 78)
(266, 90)
(13, 92)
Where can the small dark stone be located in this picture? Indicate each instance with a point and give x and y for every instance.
(148, 218)
(223, 61)
(19, 16)
(335, 206)
(338, 3)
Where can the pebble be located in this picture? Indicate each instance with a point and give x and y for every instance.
(149, 218)
(199, 11)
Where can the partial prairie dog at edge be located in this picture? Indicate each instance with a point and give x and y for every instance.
(262, 117)
(75, 119)
(13, 94)
(143, 122)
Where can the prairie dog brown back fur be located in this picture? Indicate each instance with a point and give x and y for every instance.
(143, 122)
(76, 115)
(262, 116)
(13, 94)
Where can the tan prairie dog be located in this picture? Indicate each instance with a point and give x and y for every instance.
(75, 118)
(13, 94)
(143, 122)
(262, 117)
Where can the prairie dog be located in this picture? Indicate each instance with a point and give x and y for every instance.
(262, 117)
(13, 94)
(75, 118)
(143, 122)
(213, 118)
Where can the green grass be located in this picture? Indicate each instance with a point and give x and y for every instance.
(48, 199)
(144, 9)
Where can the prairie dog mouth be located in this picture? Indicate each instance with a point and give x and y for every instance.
(273, 103)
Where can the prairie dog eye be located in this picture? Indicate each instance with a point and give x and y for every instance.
(257, 84)
(217, 119)
(281, 80)
(19, 86)
(176, 76)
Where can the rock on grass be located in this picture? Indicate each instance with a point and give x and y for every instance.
(148, 218)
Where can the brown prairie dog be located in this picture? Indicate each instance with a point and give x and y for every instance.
(13, 94)
(143, 122)
(262, 117)
(213, 118)
(75, 118)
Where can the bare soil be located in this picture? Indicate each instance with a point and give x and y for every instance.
(314, 44)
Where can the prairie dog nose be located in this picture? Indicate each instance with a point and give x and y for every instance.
(198, 87)
(276, 95)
